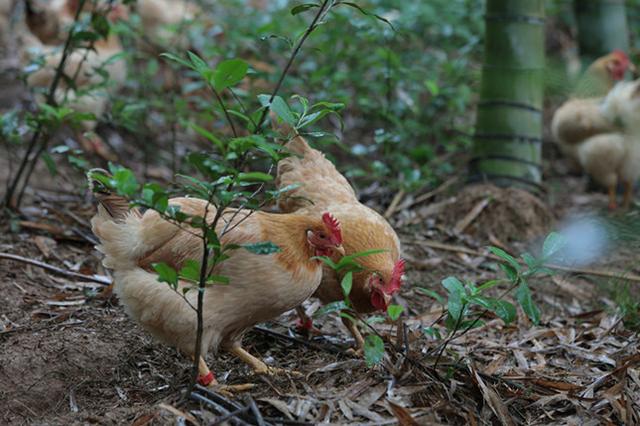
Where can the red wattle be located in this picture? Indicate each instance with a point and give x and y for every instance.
(206, 379)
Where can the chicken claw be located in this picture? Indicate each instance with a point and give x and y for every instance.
(258, 366)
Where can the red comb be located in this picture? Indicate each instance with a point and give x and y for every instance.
(396, 277)
(332, 223)
(620, 55)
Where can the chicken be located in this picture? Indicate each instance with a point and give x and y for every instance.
(614, 157)
(260, 287)
(579, 117)
(84, 65)
(324, 188)
(160, 21)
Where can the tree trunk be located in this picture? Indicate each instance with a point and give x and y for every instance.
(602, 27)
(508, 137)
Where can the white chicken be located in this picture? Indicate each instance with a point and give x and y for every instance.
(614, 157)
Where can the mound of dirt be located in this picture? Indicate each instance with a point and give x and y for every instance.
(509, 214)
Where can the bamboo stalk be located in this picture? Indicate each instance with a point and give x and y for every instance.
(508, 138)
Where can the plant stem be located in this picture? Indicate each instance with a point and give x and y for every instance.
(285, 71)
(50, 100)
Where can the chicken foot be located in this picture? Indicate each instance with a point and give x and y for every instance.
(612, 198)
(628, 194)
(257, 365)
(305, 323)
(206, 378)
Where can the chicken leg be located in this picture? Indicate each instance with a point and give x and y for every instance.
(358, 350)
(305, 323)
(257, 365)
(628, 194)
(612, 198)
(206, 378)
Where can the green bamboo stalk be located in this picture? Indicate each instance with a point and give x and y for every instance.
(508, 138)
(602, 27)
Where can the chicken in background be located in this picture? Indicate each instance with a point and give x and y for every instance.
(613, 157)
(85, 64)
(260, 287)
(160, 19)
(579, 117)
(323, 188)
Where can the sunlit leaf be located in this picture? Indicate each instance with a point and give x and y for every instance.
(346, 283)
(394, 311)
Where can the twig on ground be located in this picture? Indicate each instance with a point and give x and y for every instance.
(424, 197)
(233, 417)
(586, 271)
(327, 348)
(394, 204)
(82, 277)
(255, 410)
(471, 216)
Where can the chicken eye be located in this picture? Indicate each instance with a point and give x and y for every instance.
(322, 235)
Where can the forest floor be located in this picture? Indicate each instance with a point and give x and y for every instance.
(70, 355)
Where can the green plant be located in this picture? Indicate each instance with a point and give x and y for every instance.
(346, 267)
(464, 297)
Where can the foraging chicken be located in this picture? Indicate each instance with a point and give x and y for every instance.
(260, 287)
(84, 65)
(614, 157)
(324, 188)
(579, 117)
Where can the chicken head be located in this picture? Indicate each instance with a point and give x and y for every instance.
(381, 292)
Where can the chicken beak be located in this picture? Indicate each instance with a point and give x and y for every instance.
(340, 249)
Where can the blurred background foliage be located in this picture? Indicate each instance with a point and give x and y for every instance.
(408, 79)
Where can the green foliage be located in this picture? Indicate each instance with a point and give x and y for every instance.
(373, 350)
(462, 297)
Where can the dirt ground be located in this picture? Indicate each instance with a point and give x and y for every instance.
(69, 354)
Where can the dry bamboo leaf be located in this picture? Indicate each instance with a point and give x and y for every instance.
(554, 384)
(346, 410)
(178, 413)
(278, 405)
(402, 414)
(364, 412)
(494, 401)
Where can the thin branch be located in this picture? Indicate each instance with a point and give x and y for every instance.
(225, 111)
(285, 71)
(50, 100)
(88, 278)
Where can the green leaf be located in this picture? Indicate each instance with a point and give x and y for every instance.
(531, 261)
(432, 86)
(190, 271)
(505, 310)
(254, 177)
(166, 273)
(365, 12)
(177, 59)
(454, 286)
(302, 8)
(207, 135)
(327, 261)
(488, 285)
(51, 165)
(264, 247)
(394, 311)
(505, 256)
(199, 64)
(431, 294)
(218, 279)
(373, 350)
(552, 244)
(125, 182)
(229, 73)
(331, 307)
(509, 271)
(280, 107)
(432, 332)
(346, 283)
(523, 295)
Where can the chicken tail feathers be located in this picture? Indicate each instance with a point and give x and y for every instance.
(115, 206)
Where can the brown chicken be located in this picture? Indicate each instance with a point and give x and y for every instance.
(613, 157)
(323, 188)
(260, 287)
(579, 118)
